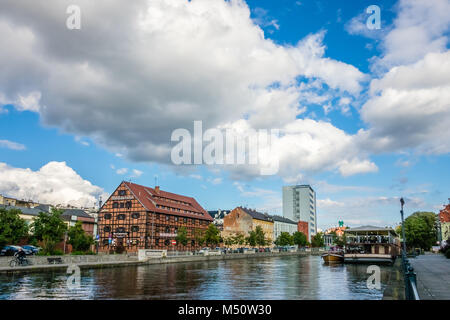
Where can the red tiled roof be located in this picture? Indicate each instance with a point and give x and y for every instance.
(153, 200)
(444, 215)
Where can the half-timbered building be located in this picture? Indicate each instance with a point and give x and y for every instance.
(138, 217)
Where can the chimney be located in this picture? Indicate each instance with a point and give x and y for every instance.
(157, 189)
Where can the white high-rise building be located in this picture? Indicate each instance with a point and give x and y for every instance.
(299, 204)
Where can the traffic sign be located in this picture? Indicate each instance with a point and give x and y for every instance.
(174, 242)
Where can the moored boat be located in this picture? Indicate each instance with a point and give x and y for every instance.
(333, 257)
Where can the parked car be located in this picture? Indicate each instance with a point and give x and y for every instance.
(33, 249)
(11, 250)
(204, 250)
(261, 250)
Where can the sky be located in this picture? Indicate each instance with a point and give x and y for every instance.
(363, 113)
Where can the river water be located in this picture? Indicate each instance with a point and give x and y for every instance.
(286, 278)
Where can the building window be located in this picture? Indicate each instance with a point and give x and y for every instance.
(107, 216)
(176, 230)
(134, 228)
(185, 220)
(157, 241)
(167, 218)
(167, 229)
(192, 242)
(135, 215)
(176, 219)
(105, 242)
(115, 205)
(120, 230)
(122, 192)
(128, 204)
(166, 242)
(107, 229)
(121, 217)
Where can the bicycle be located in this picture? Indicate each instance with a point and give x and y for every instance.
(19, 262)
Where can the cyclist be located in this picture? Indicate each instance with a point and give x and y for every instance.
(20, 255)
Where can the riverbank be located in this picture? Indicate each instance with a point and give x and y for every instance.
(395, 289)
(40, 263)
(433, 281)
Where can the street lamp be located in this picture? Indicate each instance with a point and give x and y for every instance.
(402, 202)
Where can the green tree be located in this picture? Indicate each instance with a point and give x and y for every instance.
(182, 236)
(260, 236)
(420, 230)
(239, 239)
(79, 239)
(12, 227)
(49, 228)
(300, 239)
(228, 241)
(317, 240)
(251, 239)
(284, 239)
(212, 235)
(199, 236)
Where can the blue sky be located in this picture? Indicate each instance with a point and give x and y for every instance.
(386, 161)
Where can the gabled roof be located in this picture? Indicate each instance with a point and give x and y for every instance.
(25, 210)
(282, 219)
(257, 215)
(154, 200)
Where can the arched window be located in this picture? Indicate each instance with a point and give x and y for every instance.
(107, 216)
(135, 215)
(121, 217)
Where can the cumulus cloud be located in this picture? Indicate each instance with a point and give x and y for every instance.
(410, 108)
(11, 145)
(137, 71)
(54, 183)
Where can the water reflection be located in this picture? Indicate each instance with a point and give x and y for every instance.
(269, 278)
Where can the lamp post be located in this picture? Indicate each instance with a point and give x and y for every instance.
(402, 202)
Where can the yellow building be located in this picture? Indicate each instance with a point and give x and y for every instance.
(243, 220)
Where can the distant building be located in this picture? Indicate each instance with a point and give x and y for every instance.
(218, 216)
(8, 201)
(444, 218)
(70, 216)
(299, 204)
(282, 224)
(243, 220)
(303, 227)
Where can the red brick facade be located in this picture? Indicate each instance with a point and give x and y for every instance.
(137, 217)
(444, 215)
(302, 227)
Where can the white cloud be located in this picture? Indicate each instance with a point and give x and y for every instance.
(54, 183)
(11, 145)
(409, 108)
(136, 173)
(178, 61)
(122, 171)
(215, 181)
(348, 168)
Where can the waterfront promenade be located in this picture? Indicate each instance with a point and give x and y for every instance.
(39, 264)
(433, 276)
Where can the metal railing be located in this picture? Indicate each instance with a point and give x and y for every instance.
(411, 292)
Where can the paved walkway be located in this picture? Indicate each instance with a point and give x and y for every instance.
(433, 276)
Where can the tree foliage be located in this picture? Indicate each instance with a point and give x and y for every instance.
(78, 238)
(260, 237)
(317, 240)
(12, 227)
(284, 239)
(212, 235)
(49, 228)
(420, 230)
(300, 239)
(182, 236)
